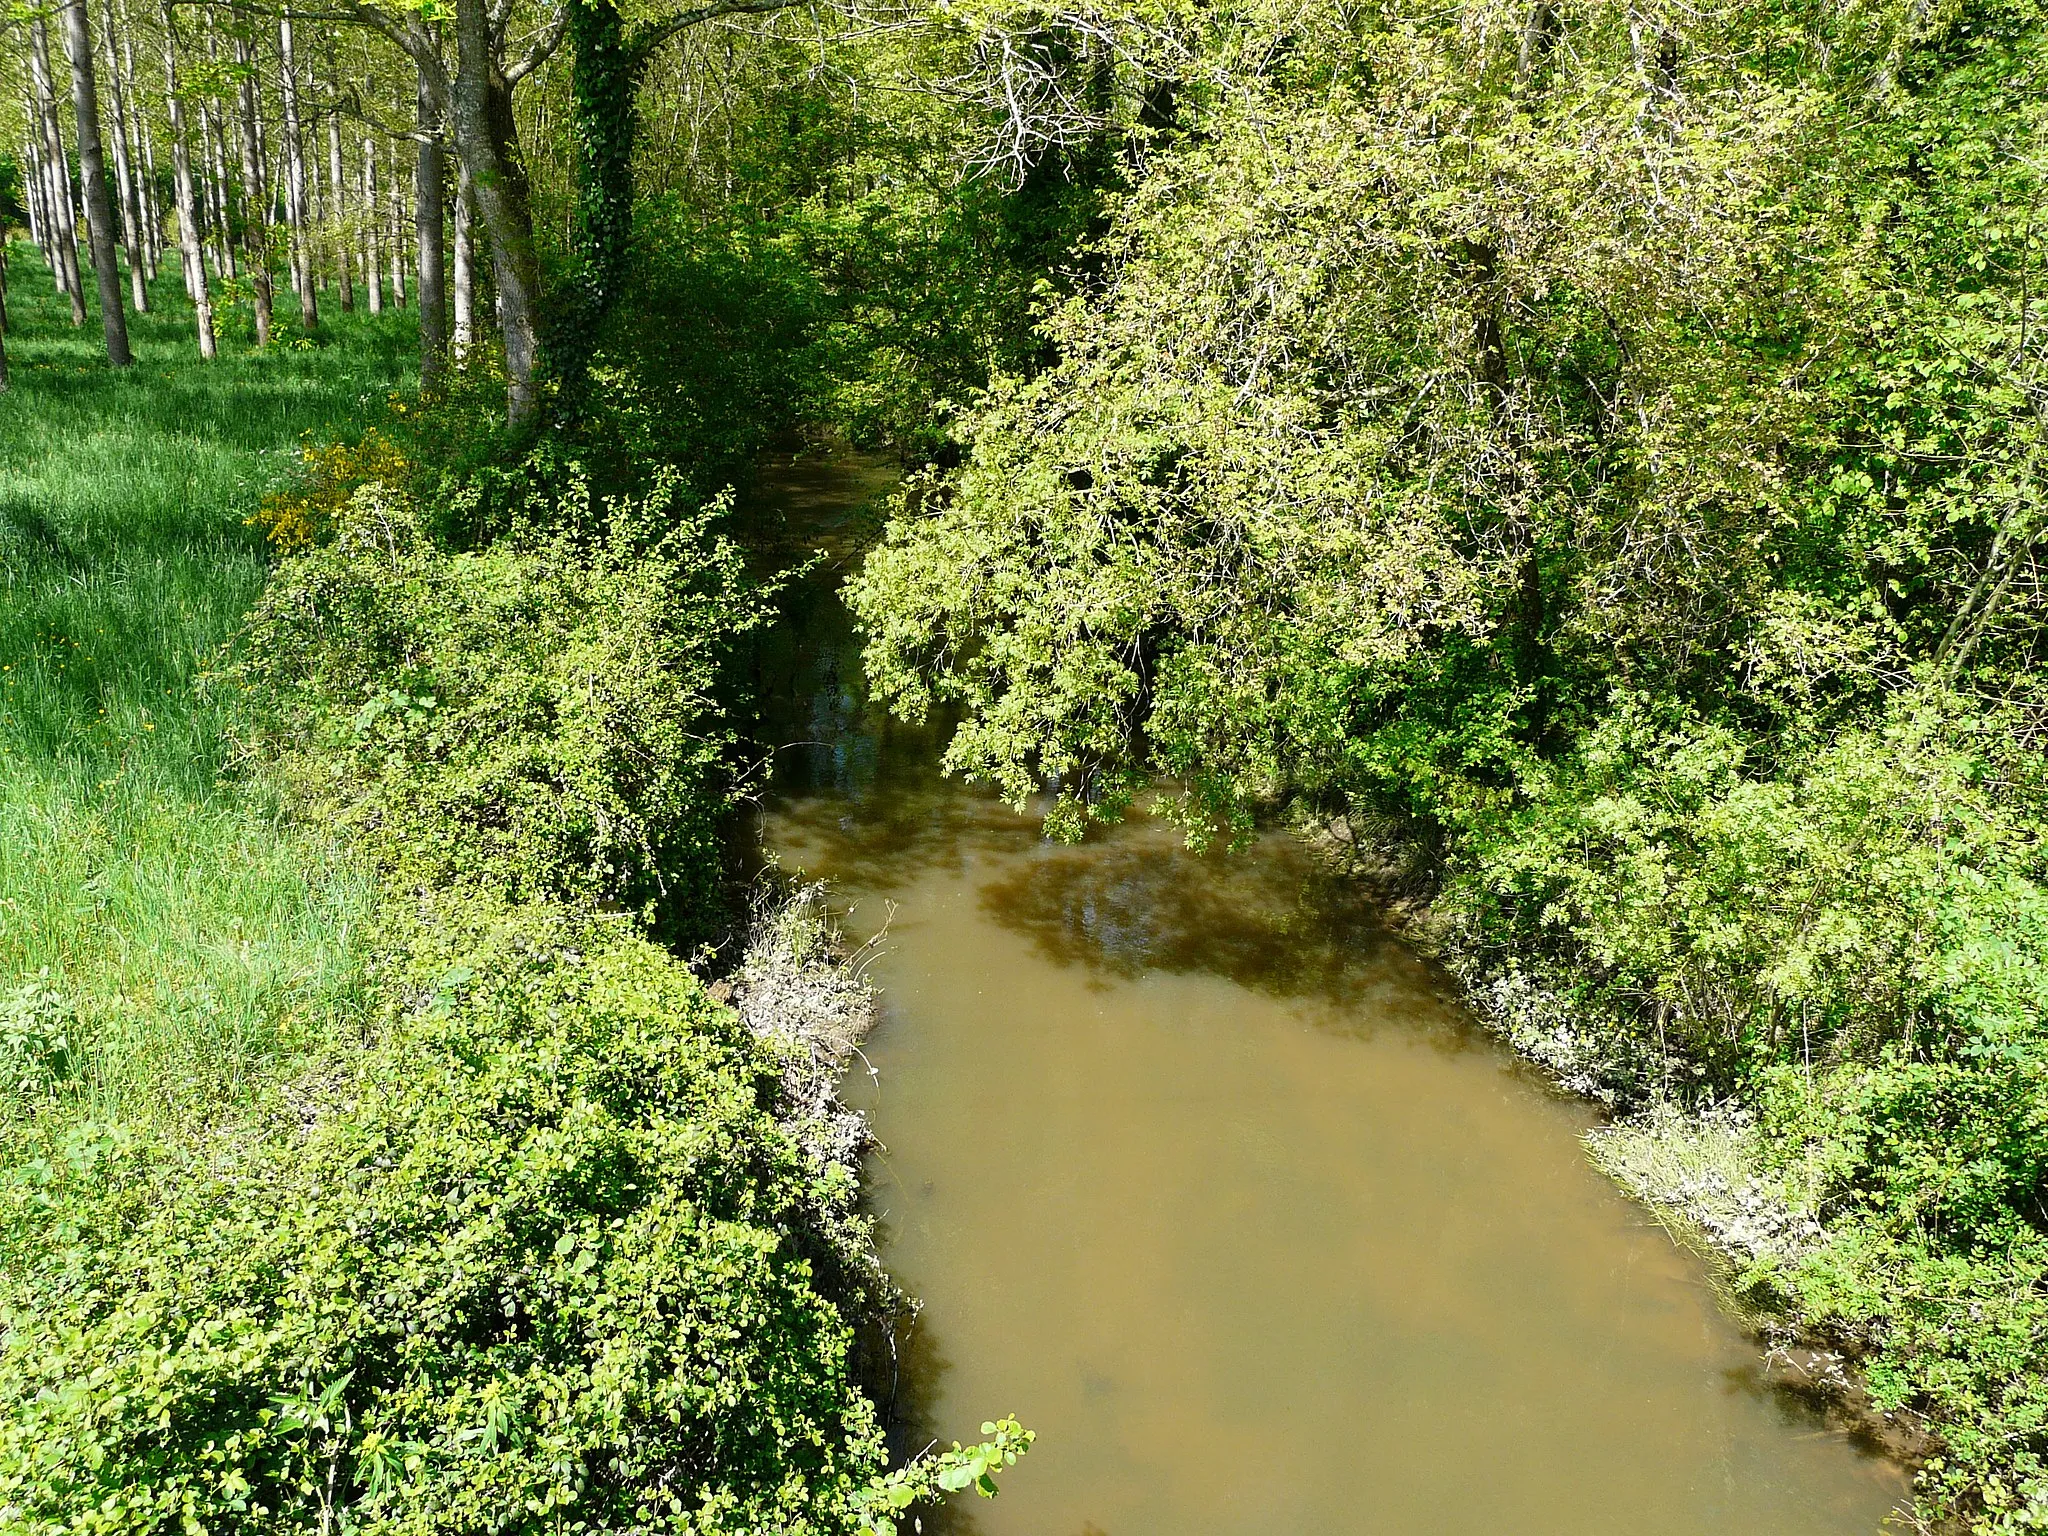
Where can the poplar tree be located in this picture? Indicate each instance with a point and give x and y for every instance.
(192, 249)
(429, 174)
(92, 175)
(255, 191)
(56, 174)
(124, 177)
(295, 178)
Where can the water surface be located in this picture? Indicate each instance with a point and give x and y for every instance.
(1198, 1170)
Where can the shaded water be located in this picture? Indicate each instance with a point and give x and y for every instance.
(1196, 1170)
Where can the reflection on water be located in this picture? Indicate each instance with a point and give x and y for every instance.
(1195, 1169)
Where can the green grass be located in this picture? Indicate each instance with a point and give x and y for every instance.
(191, 937)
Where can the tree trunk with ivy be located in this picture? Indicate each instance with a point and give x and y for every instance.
(605, 69)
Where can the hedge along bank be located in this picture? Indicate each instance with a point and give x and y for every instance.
(551, 1244)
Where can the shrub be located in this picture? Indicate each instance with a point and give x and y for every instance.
(304, 513)
(1848, 946)
(531, 1260)
(537, 716)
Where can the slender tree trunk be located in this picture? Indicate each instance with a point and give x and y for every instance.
(36, 116)
(486, 137)
(316, 213)
(32, 188)
(191, 249)
(217, 161)
(92, 172)
(428, 174)
(337, 182)
(465, 265)
(64, 191)
(295, 172)
(220, 216)
(64, 224)
(317, 198)
(373, 271)
(142, 152)
(124, 168)
(397, 236)
(255, 198)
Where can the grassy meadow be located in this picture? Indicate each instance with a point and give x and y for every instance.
(160, 934)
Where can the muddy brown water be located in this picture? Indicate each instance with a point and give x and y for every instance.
(1199, 1171)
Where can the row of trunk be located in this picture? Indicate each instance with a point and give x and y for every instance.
(248, 185)
(346, 225)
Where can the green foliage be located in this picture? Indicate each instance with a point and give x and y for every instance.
(1608, 446)
(36, 1024)
(951, 1471)
(13, 211)
(705, 358)
(1882, 893)
(536, 716)
(533, 1258)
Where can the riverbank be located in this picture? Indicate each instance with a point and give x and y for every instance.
(1706, 1173)
(524, 1216)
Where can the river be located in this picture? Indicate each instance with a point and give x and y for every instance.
(1200, 1171)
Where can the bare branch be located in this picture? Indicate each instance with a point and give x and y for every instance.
(545, 42)
(654, 34)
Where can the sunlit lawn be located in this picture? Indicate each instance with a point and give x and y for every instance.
(189, 936)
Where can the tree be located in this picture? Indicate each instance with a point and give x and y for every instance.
(192, 249)
(92, 173)
(296, 201)
(255, 188)
(126, 176)
(429, 192)
(56, 173)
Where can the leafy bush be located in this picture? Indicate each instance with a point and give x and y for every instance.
(533, 1259)
(537, 716)
(36, 1053)
(543, 1247)
(329, 473)
(1882, 893)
